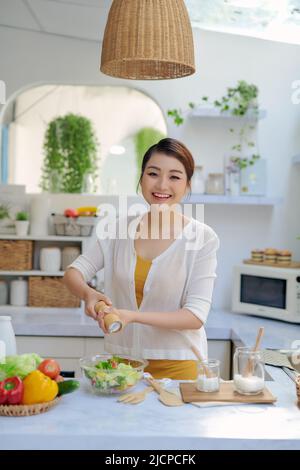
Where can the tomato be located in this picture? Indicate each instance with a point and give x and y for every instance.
(59, 378)
(50, 368)
(70, 213)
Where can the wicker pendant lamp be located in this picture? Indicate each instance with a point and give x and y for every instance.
(148, 40)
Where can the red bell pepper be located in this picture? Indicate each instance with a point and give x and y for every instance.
(11, 391)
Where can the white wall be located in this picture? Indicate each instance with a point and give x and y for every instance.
(221, 61)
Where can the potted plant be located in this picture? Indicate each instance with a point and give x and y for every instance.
(70, 148)
(22, 224)
(6, 223)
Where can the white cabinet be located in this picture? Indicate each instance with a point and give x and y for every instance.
(68, 350)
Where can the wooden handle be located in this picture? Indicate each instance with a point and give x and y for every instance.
(207, 372)
(101, 306)
(258, 338)
(154, 384)
(249, 367)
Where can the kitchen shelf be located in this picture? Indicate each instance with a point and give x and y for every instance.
(49, 238)
(207, 112)
(233, 200)
(296, 159)
(34, 272)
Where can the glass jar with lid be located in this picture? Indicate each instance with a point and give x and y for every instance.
(215, 183)
(248, 371)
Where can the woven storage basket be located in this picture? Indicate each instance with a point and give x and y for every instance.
(27, 410)
(16, 255)
(74, 227)
(50, 292)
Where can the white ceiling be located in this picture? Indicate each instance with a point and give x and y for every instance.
(85, 19)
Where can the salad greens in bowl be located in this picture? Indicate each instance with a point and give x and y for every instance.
(108, 374)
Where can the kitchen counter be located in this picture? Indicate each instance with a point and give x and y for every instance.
(221, 325)
(85, 421)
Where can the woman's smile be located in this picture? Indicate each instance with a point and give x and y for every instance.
(161, 196)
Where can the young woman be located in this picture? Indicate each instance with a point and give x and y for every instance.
(161, 286)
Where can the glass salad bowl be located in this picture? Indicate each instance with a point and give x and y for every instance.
(108, 374)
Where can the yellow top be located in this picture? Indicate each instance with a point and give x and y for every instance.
(160, 368)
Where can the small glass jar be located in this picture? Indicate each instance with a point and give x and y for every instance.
(208, 379)
(248, 371)
(215, 183)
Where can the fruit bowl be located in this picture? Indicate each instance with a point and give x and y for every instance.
(107, 374)
(28, 410)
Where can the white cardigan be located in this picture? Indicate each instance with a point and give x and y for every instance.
(181, 277)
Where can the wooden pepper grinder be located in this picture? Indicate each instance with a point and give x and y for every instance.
(111, 320)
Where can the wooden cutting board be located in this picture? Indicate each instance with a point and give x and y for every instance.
(226, 393)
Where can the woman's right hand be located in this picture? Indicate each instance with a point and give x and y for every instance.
(90, 301)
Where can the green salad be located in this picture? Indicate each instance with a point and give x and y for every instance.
(112, 375)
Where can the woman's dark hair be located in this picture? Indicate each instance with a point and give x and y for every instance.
(173, 148)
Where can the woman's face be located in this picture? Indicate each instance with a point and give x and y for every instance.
(164, 180)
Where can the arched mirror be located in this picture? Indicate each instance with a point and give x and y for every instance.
(125, 122)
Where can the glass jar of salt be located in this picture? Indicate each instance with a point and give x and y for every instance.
(248, 371)
(208, 379)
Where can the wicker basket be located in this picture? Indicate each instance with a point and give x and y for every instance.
(74, 227)
(50, 292)
(16, 255)
(27, 410)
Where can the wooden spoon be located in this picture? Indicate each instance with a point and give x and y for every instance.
(207, 371)
(167, 398)
(250, 366)
(135, 397)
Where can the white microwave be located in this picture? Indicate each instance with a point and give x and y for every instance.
(267, 292)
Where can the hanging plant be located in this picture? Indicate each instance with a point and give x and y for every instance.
(70, 148)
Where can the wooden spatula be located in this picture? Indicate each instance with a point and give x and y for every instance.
(167, 398)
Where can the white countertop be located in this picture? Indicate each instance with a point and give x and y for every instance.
(220, 325)
(85, 421)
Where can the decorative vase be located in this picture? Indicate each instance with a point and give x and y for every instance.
(18, 292)
(39, 214)
(234, 184)
(22, 227)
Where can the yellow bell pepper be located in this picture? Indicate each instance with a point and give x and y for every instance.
(87, 211)
(38, 388)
